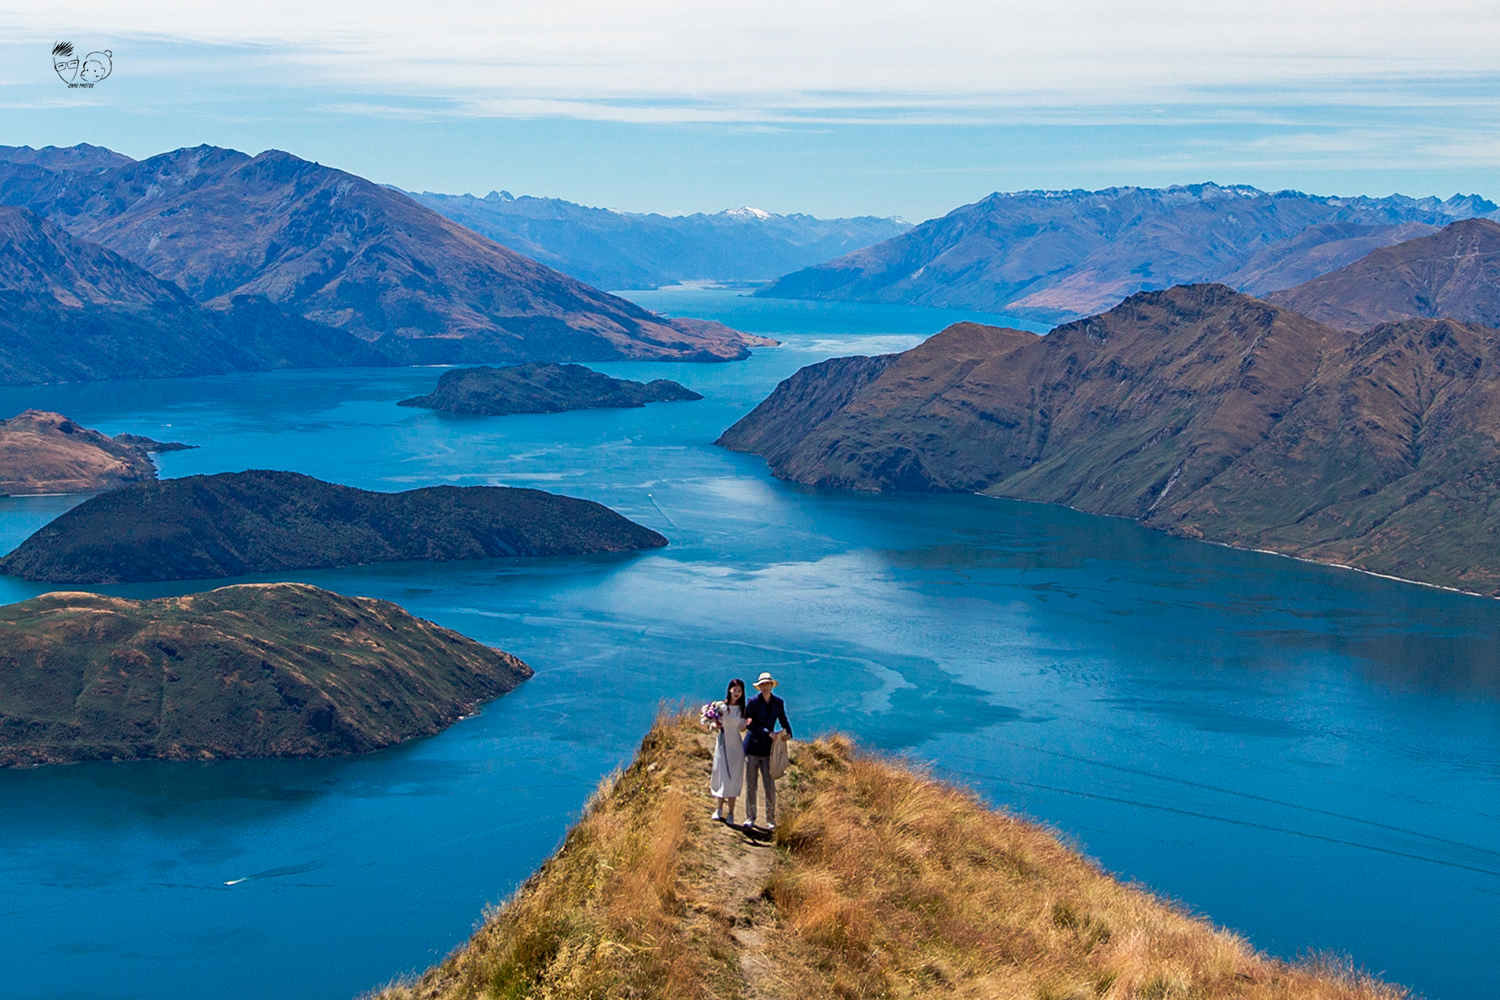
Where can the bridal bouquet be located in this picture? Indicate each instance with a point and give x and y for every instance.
(711, 715)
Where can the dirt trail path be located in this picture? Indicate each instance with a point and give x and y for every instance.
(743, 863)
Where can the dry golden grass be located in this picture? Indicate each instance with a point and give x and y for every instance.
(897, 885)
(606, 916)
(887, 884)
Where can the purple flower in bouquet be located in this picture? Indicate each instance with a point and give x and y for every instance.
(712, 715)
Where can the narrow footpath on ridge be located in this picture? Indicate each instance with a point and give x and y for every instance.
(743, 861)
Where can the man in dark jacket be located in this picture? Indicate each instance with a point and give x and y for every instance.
(763, 712)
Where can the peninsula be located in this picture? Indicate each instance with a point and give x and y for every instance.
(541, 388)
(883, 883)
(233, 523)
(43, 452)
(261, 670)
(1196, 410)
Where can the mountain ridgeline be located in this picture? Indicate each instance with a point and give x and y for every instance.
(261, 670)
(610, 249)
(1060, 255)
(233, 523)
(1196, 410)
(292, 251)
(1453, 274)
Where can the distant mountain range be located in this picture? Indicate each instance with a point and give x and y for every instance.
(610, 249)
(382, 277)
(1196, 410)
(1058, 255)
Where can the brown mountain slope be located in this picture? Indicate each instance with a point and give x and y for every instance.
(1454, 273)
(260, 670)
(343, 251)
(71, 310)
(1317, 250)
(1198, 411)
(44, 452)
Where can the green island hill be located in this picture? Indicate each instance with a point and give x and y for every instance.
(879, 882)
(255, 670)
(1198, 411)
(542, 387)
(42, 452)
(233, 523)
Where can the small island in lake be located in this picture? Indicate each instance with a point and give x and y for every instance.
(203, 527)
(42, 452)
(257, 670)
(542, 388)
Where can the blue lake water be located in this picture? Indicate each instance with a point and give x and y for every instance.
(1307, 755)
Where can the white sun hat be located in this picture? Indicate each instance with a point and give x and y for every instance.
(765, 678)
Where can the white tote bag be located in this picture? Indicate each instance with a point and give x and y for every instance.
(780, 759)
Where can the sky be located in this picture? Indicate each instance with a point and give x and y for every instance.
(828, 107)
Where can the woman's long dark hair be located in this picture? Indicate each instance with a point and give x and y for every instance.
(729, 696)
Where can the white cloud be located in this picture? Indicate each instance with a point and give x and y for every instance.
(671, 60)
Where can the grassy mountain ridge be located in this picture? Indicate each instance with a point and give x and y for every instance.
(265, 670)
(259, 521)
(1196, 410)
(881, 883)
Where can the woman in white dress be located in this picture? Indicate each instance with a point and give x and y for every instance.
(729, 753)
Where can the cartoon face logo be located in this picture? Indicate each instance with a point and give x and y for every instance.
(96, 66)
(65, 62)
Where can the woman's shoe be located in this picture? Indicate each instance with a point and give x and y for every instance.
(729, 818)
(716, 817)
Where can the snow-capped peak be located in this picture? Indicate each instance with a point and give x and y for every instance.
(747, 213)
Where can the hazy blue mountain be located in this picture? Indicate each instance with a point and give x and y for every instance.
(610, 249)
(1058, 255)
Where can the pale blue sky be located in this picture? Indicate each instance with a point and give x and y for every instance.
(824, 106)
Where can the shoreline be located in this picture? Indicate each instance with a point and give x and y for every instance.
(1242, 548)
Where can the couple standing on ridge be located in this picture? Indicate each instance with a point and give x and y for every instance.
(739, 760)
